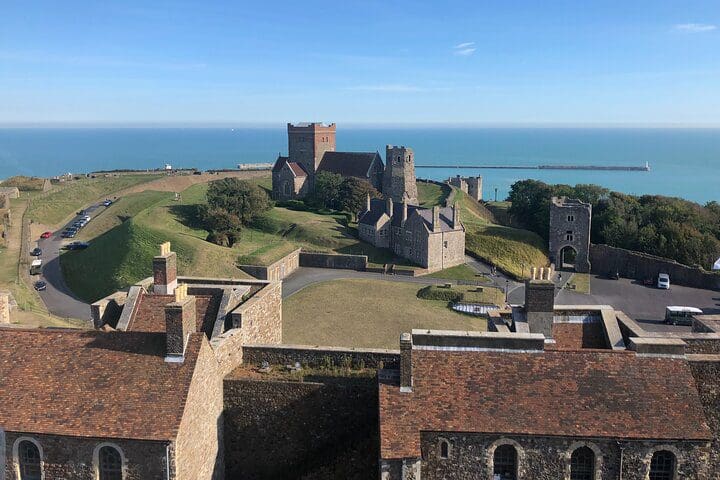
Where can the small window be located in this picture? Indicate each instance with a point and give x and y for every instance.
(29, 460)
(569, 236)
(571, 218)
(445, 243)
(662, 466)
(109, 463)
(582, 464)
(505, 463)
(444, 449)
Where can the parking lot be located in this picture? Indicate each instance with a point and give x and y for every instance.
(645, 304)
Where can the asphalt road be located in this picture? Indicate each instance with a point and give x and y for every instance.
(644, 304)
(58, 298)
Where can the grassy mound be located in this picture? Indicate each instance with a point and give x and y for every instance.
(431, 194)
(462, 293)
(24, 183)
(54, 206)
(122, 210)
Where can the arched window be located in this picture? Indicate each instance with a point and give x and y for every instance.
(29, 461)
(662, 465)
(444, 449)
(109, 463)
(505, 463)
(582, 464)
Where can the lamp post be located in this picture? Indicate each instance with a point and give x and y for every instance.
(507, 289)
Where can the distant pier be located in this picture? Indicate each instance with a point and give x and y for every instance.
(619, 168)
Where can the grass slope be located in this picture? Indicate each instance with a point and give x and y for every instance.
(365, 313)
(431, 194)
(122, 210)
(513, 250)
(460, 272)
(54, 206)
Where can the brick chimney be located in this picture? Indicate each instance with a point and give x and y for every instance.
(389, 206)
(404, 212)
(456, 217)
(165, 271)
(540, 304)
(406, 344)
(436, 219)
(179, 324)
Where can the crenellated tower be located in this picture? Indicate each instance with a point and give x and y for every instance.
(399, 178)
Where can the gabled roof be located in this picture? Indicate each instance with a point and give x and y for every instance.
(377, 210)
(93, 383)
(426, 215)
(279, 163)
(149, 315)
(297, 169)
(349, 164)
(588, 394)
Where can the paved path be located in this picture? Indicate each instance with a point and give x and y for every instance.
(58, 298)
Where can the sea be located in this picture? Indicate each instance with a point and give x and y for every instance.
(683, 162)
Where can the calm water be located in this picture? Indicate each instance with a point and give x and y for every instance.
(684, 163)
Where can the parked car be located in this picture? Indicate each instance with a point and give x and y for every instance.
(681, 315)
(77, 246)
(81, 212)
(40, 286)
(46, 235)
(70, 233)
(107, 202)
(663, 281)
(36, 252)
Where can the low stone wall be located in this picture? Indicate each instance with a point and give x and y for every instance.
(277, 270)
(4, 307)
(642, 266)
(282, 429)
(707, 378)
(331, 260)
(313, 356)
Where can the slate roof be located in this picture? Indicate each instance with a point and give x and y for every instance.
(586, 393)
(279, 163)
(150, 313)
(92, 383)
(348, 164)
(377, 208)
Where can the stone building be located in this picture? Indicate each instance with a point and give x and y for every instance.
(569, 393)
(432, 238)
(311, 149)
(569, 239)
(470, 185)
(140, 397)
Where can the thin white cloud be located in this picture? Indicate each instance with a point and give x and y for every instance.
(695, 27)
(464, 49)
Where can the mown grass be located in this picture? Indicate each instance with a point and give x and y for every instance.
(365, 313)
(122, 210)
(431, 194)
(579, 282)
(512, 250)
(53, 207)
(460, 272)
(463, 293)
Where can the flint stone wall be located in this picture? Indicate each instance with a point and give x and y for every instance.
(330, 260)
(320, 356)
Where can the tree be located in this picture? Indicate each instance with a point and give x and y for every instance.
(240, 198)
(326, 192)
(353, 194)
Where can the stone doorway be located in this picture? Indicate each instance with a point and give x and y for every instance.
(568, 257)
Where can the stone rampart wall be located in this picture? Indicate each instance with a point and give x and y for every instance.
(641, 266)
(320, 356)
(277, 270)
(304, 430)
(330, 260)
(707, 379)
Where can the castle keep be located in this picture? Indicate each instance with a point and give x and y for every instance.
(569, 244)
(311, 149)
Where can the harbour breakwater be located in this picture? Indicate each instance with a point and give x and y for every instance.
(621, 168)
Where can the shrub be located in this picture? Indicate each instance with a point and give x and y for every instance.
(297, 205)
(433, 292)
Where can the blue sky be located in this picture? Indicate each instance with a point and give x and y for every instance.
(374, 61)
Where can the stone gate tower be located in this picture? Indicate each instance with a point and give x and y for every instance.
(569, 237)
(399, 178)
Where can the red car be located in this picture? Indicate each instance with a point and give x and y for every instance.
(46, 235)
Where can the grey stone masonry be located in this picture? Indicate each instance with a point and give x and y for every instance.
(179, 323)
(406, 345)
(399, 179)
(570, 221)
(540, 306)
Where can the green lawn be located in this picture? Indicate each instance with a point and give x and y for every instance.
(579, 282)
(431, 194)
(120, 211)
(365, 314)
(460, 272)
(53, 207)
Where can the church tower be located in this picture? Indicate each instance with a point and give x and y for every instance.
(308, 142)
(399, 178)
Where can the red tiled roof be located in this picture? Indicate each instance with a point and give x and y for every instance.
(92, 383)
(555, 393)
(150, 313)
(297, 169)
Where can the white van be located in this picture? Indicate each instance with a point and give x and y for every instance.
(681, 315)
(36, 267)
(663, 281)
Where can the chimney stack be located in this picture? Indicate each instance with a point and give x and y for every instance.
(436, 219)
(179, 324)
(404, 212)
(165, 271)
(456, 217)
(367, 203)
(389, 206)
(540, 304)
(406, 381)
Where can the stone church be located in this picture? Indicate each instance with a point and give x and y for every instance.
(311, 149)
